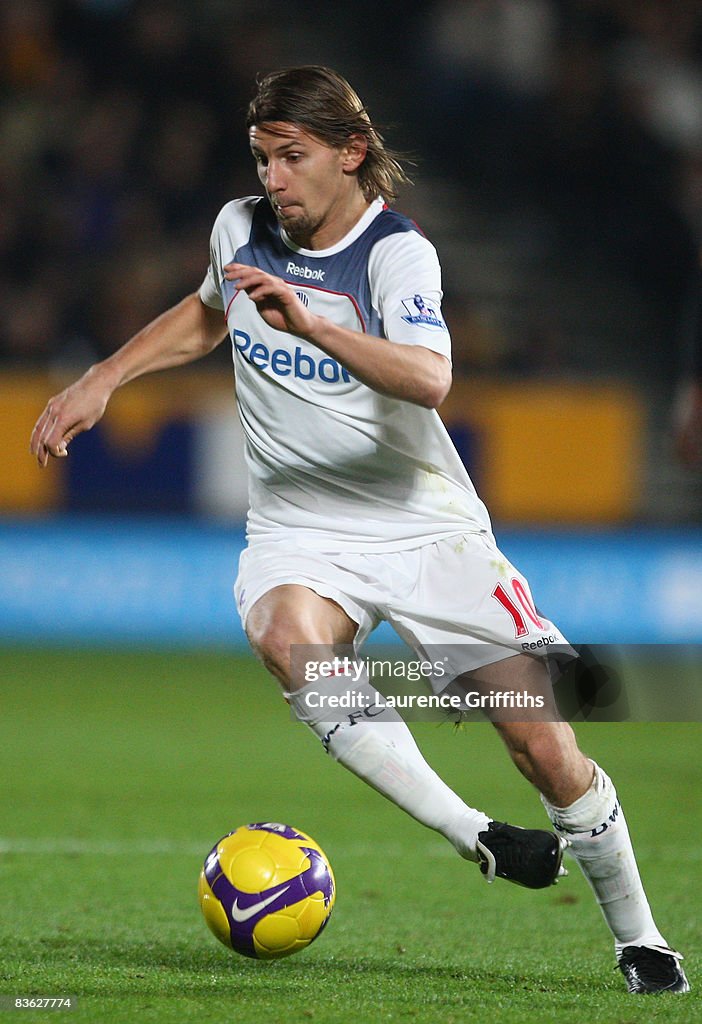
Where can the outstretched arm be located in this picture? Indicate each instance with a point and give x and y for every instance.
(410, 372)
(182, 334)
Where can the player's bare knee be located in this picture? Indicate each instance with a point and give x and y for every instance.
(271, 645)
(289, 616)
(270, 636)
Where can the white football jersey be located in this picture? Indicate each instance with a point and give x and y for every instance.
(333, 465)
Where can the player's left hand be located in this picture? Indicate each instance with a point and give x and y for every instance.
(275, 300)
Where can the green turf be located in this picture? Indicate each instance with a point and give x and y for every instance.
(119, 771)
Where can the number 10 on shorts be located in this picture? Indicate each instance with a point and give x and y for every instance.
(518, 607)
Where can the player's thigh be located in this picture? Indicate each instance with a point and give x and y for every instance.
(469, 607)
(290, 616)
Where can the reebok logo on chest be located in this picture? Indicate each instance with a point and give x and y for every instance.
(306, 272)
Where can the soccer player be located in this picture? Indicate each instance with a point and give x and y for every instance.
(361, 509)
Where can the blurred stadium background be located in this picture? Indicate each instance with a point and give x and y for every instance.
(557, 149)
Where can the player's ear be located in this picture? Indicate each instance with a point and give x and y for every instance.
(354, 153)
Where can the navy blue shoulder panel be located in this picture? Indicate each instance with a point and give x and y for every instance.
(344, 272)
(265, 248)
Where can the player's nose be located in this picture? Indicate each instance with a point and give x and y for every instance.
(275, 181)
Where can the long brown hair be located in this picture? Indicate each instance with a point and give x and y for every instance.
(322, 102)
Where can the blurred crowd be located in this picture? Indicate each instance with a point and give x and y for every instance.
(122, 134)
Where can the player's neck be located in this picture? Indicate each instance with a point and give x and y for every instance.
(340, 219)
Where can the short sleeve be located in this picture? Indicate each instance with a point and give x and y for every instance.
(231, 230)
(405, 281)
(210, 292)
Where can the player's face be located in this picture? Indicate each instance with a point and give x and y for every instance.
(311, 186)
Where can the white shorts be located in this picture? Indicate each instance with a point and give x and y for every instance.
(459, 593)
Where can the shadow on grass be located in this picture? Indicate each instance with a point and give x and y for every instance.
(121, 968)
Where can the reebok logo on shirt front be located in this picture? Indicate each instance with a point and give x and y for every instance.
(284, 363)
(309, 275)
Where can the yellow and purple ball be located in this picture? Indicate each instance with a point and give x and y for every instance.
(266, 890)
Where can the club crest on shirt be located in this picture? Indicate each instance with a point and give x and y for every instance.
(421, 313)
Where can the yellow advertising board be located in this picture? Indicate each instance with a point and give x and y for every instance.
(553, 452)
(540, 452)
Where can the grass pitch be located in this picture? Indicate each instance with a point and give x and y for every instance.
(119, 771)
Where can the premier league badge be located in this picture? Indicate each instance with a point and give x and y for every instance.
(420, 313)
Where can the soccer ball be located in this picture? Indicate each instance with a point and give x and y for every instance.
(266, 890)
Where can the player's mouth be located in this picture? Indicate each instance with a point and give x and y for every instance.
(283, 207)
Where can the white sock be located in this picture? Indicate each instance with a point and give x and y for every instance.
(375, 744)
(600, 843)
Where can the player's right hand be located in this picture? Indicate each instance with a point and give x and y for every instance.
(67, 414)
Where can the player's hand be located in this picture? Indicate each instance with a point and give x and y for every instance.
(67, 414)
(275, 300)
